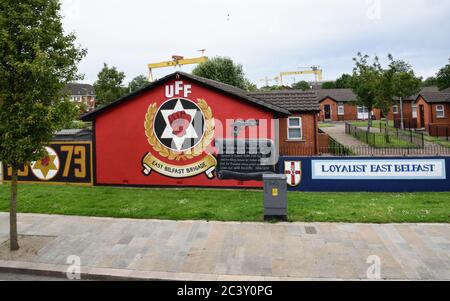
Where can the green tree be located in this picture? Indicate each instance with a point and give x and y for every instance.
(108, 86)
(36, 60)
(404, 82)
(137, 83)
(250, 86)
(271, 88)
(224, 70)
(394, 84)
(366, 78)
(443, 77)
(344, 82)
(329, 85)
(429, 82)
(302, 85)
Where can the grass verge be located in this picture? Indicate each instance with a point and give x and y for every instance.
(227, 205)
(375, 123)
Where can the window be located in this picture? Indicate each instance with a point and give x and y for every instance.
(395, 109)
(295, 128)
(363, 110)
(341, 110)
(440, 113)
(414, 110)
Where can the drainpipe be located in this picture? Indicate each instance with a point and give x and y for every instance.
(315, 134)
(402, 122)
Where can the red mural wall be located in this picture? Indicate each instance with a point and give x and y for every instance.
(122, 142)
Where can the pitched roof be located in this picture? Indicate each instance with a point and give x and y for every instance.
(218, 86)
(435, 97)
(292, 100)
(79, 89)
(446, 90)
(423, 90)
(73, 135)
(340, 95)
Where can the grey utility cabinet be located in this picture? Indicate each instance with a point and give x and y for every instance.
(275, 197)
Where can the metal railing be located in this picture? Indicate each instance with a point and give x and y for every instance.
(442, 131)
(366, 151)
(386, 137)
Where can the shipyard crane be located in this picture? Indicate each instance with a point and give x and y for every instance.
(177, 61)
(314, 70)
(267, 80)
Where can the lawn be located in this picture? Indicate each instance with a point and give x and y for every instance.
(375, 123)
(227, 205)
(378, 140)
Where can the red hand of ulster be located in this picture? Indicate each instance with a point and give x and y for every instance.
(180, 121)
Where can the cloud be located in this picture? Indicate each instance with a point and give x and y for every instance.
(265, 36)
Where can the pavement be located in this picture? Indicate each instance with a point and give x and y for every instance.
(127, 249)
(337, 132)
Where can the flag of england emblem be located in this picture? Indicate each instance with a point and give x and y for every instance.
(293, 171)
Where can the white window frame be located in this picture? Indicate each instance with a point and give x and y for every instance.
(362, 112)
(440, 109)
(395, 109)
(414, 110)
(300, 127)
(341, 110)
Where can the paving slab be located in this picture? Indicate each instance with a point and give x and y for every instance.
(198, 250)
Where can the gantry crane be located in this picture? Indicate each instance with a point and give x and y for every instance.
(314, 70)
(267, 80)
(176, 61)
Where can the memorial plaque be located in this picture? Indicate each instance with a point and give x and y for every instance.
(244, 160)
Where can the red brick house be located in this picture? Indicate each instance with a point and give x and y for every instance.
(81, 94)
(433, 110)
(340, 105)
(410, 111)
(148, 138)
(299, 132)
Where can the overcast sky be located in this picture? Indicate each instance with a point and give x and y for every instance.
(266, 37)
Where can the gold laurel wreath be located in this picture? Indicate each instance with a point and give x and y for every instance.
(190, 153)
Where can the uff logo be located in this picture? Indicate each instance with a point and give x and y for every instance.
(179, 124)
(179, 130)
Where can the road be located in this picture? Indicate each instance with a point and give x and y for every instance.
(25, 277)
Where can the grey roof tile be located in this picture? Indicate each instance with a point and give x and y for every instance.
(292, 100)
(79, 89)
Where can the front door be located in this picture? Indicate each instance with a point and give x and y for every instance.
(422, 116)
(327, 112)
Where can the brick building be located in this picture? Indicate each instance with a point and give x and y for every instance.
(81, 94)
(340, 105)
(148, 138)
(298, 132)
(410, 109)
(433, 111)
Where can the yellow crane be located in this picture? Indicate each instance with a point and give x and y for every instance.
(314, 70)
(177, 60)
(267, 80)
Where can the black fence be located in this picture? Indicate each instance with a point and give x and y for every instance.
(441, 131)
(367, 151)
(387, 137)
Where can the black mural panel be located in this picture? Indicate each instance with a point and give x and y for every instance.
(65, 162)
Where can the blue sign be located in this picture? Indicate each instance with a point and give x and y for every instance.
(367, 174)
